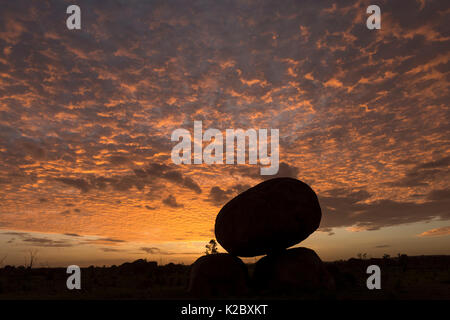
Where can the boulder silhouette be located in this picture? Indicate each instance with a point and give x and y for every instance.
(271, 216)
(218, 274)
(298, 269)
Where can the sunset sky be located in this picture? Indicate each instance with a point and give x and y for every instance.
(86, 118)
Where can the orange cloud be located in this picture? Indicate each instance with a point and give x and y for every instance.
(335, 83)
(436, 232)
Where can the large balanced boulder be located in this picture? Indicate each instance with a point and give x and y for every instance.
(298, 269)
(271, 216)
(218, 274)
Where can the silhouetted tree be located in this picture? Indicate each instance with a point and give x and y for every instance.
(32, 259)
(362, 256)
(2, 260)
(211, 247)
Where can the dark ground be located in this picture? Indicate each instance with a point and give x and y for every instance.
(418, 277)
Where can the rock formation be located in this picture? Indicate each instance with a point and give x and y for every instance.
(218, 274)
(292, 270)
(269, 217)
(264, 220)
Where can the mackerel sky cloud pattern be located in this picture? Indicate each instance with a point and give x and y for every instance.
(86, 115)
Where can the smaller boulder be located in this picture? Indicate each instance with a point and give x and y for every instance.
(298, 269)
(218, 274)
